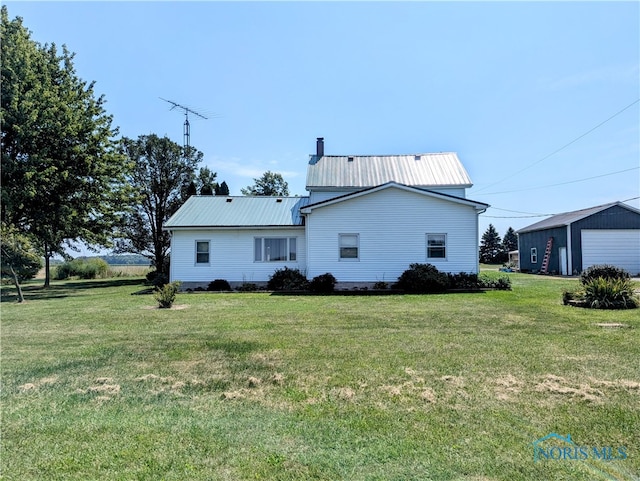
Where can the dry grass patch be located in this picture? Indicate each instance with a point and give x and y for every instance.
(560, 386)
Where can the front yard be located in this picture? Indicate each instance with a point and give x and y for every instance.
(99, 385)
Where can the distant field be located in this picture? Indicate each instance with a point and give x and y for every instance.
(115, 270)
(99, 384)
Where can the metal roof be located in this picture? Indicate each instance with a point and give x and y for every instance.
(220, 211)
(567, 218)
(361, 171)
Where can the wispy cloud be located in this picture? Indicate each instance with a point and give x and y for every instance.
(620, 74)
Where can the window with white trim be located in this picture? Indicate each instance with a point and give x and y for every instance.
(534, 255)
(349, 246)
(202, 252)
(275, 249)
(436, 246)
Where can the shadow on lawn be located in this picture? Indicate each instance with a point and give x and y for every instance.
(377, 292)
(34, 292)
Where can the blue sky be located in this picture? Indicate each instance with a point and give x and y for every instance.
(503, 84)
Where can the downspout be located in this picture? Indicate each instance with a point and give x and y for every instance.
(478, 212)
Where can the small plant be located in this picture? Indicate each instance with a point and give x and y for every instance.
(603, 270)
(423, 279)
(166, 294)
(323, 284)
(219, 285)
(287, 280)
(247, 287)
(381, 285)
(609, 293)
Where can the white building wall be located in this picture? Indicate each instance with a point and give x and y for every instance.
(231, 254)
(392, 225)
(320, 196)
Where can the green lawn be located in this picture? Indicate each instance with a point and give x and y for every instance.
(96, 384)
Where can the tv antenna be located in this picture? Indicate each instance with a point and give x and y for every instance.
(187, 129)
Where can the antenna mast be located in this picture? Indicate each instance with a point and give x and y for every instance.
(187, 129)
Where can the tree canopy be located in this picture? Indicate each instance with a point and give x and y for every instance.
(62, 176)
(269, 184)
(161, 174)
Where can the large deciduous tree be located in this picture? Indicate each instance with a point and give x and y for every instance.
(270, 184)
(160, 177)
(62, 175)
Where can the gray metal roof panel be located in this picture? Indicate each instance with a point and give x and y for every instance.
(566, 218)
(361, 171)
(219, 211)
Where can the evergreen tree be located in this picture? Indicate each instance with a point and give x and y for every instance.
(509, 241)
(222, 189)
(490, 246)
(62, 176)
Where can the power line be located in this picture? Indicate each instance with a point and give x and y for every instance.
(564, 146)
(561, 183)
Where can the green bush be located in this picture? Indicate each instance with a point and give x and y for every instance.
(501, 283)
(287, 280)
(323, 284)
(219, 285)
(609, 293)
(157, 279)
(92, 268)
(605, 271)
(422, 279)
(463, 280)
(166, 294)
(381, 285)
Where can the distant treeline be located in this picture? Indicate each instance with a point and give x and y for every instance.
(126, 259)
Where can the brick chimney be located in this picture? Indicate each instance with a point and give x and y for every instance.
(320, 147)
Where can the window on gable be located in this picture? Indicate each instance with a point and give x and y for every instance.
(436, 246)
(534, 255)
(202, 252)
(274, 249)
(349, 246)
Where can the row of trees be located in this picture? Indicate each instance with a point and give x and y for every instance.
(67, 177)
(494, 250)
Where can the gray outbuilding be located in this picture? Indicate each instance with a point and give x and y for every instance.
(570, 242)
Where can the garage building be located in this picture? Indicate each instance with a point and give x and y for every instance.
(571, 242)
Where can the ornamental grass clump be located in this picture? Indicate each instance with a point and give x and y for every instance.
(166, 294)
(603, 287)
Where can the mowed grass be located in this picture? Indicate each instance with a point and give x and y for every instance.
(97, 384)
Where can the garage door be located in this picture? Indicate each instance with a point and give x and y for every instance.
(620, 247)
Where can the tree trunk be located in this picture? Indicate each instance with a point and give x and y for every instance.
(47, 266)
(16, 282)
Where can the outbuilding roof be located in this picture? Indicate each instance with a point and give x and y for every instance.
(568, 218)
(362, 171)
(222, 211)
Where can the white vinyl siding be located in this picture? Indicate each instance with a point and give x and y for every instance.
(391, 226)
(618, 247)
(231, 256)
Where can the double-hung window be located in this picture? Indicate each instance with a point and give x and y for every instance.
(534, 255)
(274, 249)
(436, 246)
(202, 253)
(349, 247)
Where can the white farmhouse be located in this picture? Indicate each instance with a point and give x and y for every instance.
(366, 219)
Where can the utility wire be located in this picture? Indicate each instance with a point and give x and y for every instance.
(561, 183)
(564, 146)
